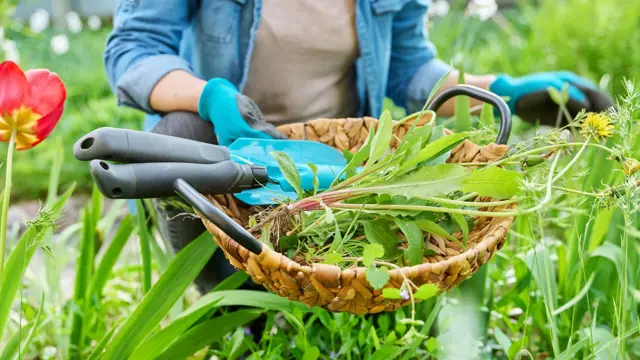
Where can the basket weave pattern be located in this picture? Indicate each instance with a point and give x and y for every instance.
(348, 290)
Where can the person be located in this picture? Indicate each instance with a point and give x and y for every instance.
(216, 70)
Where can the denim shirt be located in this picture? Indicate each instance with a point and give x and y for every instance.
(215, 38)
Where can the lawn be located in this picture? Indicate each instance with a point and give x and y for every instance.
(566, 284)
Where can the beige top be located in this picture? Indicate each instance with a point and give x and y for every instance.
(303, 62)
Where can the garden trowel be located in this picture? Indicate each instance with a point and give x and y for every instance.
(247, 168)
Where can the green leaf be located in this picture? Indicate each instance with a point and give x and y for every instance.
(433, 228)
(288, 242)
(360, 156)
(206, 333)
(462, 106)
(379, 232)
(494, 182)
(387, 352)
(180, 273)
(289, 170)
(333, 258)
(432, 345)
(372, 252)
(486, 116)
(311, 353)
(428, 181)
(432, 151)
(391, 293)
(415, 238)
(382, 139)
(377, 277)
(426, 291)
(557, 96)
(316, 181)
(462, 223)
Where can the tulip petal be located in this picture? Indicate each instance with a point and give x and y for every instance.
(13, 87)
(44, 127)
(46, 91)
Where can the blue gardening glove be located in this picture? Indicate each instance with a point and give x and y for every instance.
(233, 114)
(529, 96)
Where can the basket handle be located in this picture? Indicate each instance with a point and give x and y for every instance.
(217, 217)
(484, 96)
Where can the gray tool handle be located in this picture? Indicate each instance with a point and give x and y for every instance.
(131, 146)
(155, 180)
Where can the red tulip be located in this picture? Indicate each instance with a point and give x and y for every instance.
(30, 102)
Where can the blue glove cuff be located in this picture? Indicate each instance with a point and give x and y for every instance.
(503, 86)
(216, 92)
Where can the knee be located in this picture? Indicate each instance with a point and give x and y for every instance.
(186, 125)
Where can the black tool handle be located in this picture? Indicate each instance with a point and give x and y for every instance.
(217, 217)
(155, 180)
(131, 146)
(482, 95)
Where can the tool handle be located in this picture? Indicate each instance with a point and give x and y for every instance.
(481, 95)
(217, 216)
(131, 146)
(155, 180)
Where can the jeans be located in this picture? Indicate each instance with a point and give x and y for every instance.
(181, 230)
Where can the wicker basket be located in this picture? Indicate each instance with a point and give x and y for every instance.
(348, 290)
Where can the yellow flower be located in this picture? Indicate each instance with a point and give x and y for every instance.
(597, 125)
(631, 166)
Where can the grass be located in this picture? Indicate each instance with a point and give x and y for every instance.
(565, 285)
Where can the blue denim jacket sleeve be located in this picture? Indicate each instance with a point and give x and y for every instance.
(143, 47)
(414, 69)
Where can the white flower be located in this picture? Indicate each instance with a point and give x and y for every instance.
(1, 33)
(60, 44)
(10, 50)
(39, 21)
(74, 23)
(483, 9)
(439, 8)
(94, 23)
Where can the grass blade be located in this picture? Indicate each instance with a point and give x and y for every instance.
(232, 282)
(145, 249)
(206, 333)
(23, 252)
(110, 257)
(27, 341)
(97, 351)
(84, 272)
(155, 344)
(462, 106)
(182, 270)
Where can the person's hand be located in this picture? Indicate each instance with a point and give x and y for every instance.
(233, 114)
(528, 96)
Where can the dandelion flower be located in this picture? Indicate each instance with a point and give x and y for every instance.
(39, 21)
(439, 8)
(94, 23)
(74, 23)
(10, 50)
(482, 9)
(631, 166)
(60, 44)
(597, 125)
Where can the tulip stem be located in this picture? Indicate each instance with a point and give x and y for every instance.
(5, 199)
